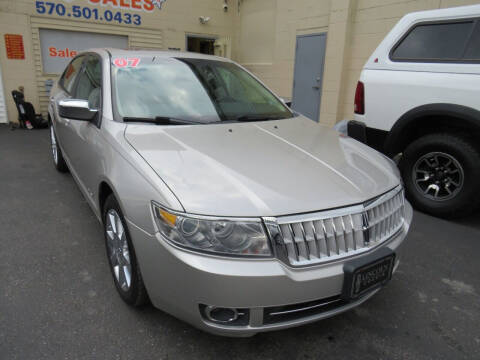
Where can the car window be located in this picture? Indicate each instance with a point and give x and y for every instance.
(70, 74)
(235, 92)
(473, 49)
(90, 82)
(238, 86)
(197, 90)
(437, 42)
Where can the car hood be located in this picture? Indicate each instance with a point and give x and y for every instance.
(265, 168)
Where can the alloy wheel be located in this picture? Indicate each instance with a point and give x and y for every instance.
(118, 251)
(438, 176)
(54, 145)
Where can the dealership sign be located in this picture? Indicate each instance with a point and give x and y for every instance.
(58, 47)
(100, 10)
(146, 5)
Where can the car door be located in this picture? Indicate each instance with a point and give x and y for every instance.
(86, 141)
(66, 86)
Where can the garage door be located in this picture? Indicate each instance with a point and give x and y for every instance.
(137, 38)
(3, 108)
(59, 46)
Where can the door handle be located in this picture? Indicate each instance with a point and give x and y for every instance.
(316, 87)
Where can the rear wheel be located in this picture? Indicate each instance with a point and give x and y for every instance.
(121, 255)
(57, 155)
(442, 175)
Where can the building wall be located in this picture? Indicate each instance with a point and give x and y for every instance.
(165, 29)
(260, 34)
(17, 73)
(354, 29)
(267, 34)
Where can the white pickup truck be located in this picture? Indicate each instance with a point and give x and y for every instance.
(418, 99)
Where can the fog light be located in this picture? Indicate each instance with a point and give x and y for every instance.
(224, 316)
(221, 315)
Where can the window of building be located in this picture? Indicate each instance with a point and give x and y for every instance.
(434, 42)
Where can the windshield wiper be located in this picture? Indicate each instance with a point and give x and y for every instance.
(161, 120)
(256, 118)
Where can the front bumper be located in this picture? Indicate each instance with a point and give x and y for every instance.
(180, 281)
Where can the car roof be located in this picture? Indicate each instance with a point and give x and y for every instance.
(157, 53)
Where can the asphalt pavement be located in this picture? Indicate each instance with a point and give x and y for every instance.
(58, 301)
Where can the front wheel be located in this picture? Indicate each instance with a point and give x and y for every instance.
(121, 255)
(57, 155)
(442, 175)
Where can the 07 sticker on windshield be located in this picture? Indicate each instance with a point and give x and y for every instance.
(126, 62)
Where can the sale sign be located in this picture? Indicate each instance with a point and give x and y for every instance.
(125, 12)
(58, 47)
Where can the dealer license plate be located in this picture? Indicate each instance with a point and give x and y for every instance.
(363, 278)
(372, 276)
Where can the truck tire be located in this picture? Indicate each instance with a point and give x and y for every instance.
(442, 174)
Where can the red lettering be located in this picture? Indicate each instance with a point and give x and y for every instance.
(120, 62)
(70, 71)
(135, 4)
(148, 5)
(114, 2)
(124, 4)
(133, 61)
(94, 1)
(54, 52)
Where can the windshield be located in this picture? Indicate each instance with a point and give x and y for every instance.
(196, 90)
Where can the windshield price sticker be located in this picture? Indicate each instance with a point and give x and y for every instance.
(126, 62)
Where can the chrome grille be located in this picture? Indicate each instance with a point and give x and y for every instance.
(385, 216)
(325, 236)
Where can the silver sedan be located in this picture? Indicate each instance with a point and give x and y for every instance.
(221, 205)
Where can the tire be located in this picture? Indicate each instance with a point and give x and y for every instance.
(133, 292)
(57, 155)
(442, 175)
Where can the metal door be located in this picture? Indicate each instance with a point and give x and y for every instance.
(308, 74)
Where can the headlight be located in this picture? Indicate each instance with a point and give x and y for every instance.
(216, 235)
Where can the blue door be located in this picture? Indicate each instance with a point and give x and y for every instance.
(308, 74)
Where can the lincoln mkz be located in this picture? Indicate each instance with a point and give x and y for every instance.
(220, 204)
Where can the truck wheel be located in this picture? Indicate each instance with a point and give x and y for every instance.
(442, 174)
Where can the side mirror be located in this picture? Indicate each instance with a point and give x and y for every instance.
(76, 109)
